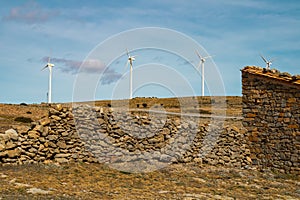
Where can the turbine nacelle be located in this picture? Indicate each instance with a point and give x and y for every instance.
(268, 62)
(50, 65)
(202, 59)
(130, 58)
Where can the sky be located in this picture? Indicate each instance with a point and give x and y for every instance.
(87, 41)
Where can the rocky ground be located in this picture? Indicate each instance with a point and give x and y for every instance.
(180, 181)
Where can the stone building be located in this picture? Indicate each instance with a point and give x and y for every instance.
(271, 111)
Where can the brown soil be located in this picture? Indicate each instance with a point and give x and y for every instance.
(97, 181)
(9, 113)
(206, 106)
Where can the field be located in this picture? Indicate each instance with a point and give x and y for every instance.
(206, 106)
(96, 181)
(177, 181)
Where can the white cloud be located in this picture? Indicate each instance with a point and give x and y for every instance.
(30, 13)
(91, 66)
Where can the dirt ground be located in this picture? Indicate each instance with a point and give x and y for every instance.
(230, 106)
(178, 181)
(9, 113)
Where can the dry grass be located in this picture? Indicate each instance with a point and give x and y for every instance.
(10, 112)
(180, 181)
(232, 106)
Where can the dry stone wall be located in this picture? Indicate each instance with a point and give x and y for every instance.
(122, 137)
(106, 136)
(271, 111)
(51, 139)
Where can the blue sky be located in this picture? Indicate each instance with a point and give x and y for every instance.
(235, 31)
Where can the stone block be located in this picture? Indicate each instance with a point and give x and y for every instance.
(12, 134)
(33, 134)
(13, 153)
(61, 160)
(294, 126)
(4, 137)
(2, 147)
(45, 121)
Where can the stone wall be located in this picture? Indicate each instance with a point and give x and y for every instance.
(106, 136)
(50, 139)
(271, 111)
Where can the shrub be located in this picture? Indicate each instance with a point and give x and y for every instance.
(23, 119)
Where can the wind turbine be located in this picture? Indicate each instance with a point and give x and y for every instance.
(268, 62)
(49, 66)
(130, 61)
(202, 61)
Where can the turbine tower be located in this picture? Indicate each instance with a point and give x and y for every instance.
(49, 66)
(268, 62)
(202, 61)
(130, 61)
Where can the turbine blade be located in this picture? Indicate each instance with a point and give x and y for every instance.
(126, 65)
(263, 58)
(44, 67)
(49, 59)
(209, 56)
(272, 59)
(127, 52)
(199, 65)
(198, 54)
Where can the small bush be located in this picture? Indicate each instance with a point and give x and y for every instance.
(23, 119)
(204, 111)
(144, 105)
